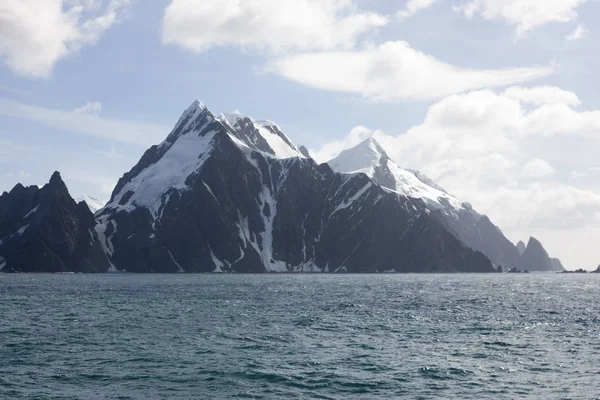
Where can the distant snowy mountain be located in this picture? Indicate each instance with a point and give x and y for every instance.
(229, 193)
(472, 228)
(93, 203)
(369, 158)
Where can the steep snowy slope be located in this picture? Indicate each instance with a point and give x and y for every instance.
(371, 159)
(228, 193)
(473, 229)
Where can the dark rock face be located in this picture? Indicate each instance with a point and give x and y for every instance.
(535, 258)
(243, 208)
(479, 233)
(556, 264)
(44, 230)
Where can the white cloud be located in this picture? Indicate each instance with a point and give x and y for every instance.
(118, 130)
(537, 169)
(543, 95)
(578, 33)
(414, 6)
(90, 108)
(35, 35)
(393, 71)
(524, 14)
(272, 25)
(511, 155)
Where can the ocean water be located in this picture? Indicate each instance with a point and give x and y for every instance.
(122, 336)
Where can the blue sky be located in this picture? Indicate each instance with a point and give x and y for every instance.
(496, 100)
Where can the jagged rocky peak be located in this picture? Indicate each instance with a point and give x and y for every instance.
(264, 136)
(45, 230)
(521, 247)
(536, 258)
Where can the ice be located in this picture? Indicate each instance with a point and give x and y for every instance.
(22, 230)
(179, 268)
(33, 210)
(347, 203)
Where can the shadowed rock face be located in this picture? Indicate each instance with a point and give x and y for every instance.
(245, 208)
(44, 230)
(535, 258)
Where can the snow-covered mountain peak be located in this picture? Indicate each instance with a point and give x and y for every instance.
(370, 158)
(371, 144)
(165, 169)
(196, 104)
(263, 136)
(365, 157)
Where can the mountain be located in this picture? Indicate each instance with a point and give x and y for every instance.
(475, 230)
(45, 230)
(521, 247)
(556, 265)
(93, 203)
(228, 193)
(535, 258)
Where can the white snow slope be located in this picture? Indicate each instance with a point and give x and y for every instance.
(369, 158)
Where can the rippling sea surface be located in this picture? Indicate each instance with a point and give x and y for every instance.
(121, 336)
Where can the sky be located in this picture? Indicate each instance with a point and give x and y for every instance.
(496, 100)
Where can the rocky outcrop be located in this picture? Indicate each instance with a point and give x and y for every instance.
(535, 258)
(518, 271)
(229, 193)
(44, 230)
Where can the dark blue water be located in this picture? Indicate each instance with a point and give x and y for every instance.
(299, 336)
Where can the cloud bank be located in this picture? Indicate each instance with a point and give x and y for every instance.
(267, 25)
(394, 71)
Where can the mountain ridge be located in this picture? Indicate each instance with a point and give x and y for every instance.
(229, 193)
(474, 229)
